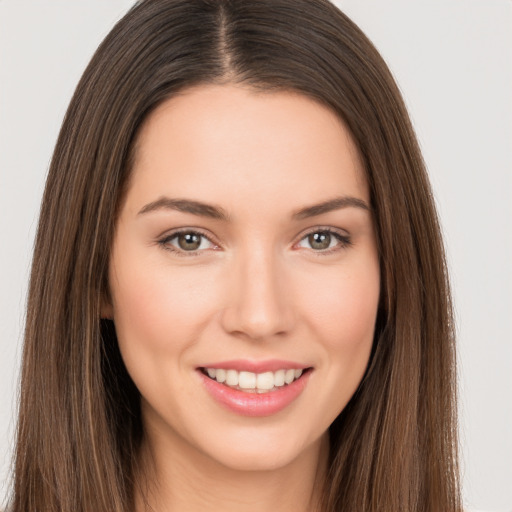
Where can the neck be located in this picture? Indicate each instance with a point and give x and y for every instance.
(186, 480)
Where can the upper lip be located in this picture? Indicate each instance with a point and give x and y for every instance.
(247, 365)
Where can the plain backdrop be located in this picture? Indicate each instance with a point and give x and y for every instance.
(453, 62)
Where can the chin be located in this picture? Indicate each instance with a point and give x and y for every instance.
(259, 450)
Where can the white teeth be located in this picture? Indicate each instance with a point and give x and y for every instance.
(289, 376)
(254, 382)
(232, 378)
(247, 380)
(279, 378)
(265, 380)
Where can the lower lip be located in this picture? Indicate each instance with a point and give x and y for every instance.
(255, 404)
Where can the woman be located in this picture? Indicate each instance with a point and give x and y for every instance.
(238, 297)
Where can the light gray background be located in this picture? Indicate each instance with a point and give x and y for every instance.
(453, 61)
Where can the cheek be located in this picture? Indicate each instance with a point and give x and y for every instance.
(158, 311)
(159, 315)
(344, 309)
(344, 319)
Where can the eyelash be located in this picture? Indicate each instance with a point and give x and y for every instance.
(344, 241)
(164, 242)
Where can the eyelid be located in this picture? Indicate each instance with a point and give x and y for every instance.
(342, 236)
(322, 229)
(164, 240)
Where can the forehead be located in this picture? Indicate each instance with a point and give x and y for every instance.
(212, 140)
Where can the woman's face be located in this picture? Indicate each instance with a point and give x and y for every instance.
(245, 249)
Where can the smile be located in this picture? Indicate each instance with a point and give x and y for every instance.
(269, 388)
(251, 382)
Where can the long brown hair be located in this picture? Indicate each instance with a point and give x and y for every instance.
(394, 447)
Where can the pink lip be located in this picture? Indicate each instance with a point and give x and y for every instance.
(254, 404)
(246, 365)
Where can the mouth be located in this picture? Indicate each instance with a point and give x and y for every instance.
(270, 388)
(251, 382)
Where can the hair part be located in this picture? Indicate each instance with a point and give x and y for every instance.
(394, 446)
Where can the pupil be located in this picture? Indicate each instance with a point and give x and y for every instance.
(320, 240)
(189, 241)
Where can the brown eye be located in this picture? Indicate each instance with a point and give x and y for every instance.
(325, 241)
(189, 241)
(320, 241)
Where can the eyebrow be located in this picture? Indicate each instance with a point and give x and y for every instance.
(336, 203)
(186, 206)
(218, 213)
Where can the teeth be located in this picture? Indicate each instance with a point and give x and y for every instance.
(247, 380)
(279, 378)
(265, 380)
(232, 378)
(255, 382)
(289, 376)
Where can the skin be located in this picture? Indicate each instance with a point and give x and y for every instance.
(257, 290)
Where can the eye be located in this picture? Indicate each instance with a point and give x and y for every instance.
(325, 240)
(186, 242)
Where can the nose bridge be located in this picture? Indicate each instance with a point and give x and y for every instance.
(259, 304)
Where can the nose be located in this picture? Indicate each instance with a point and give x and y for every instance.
(260, 304)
